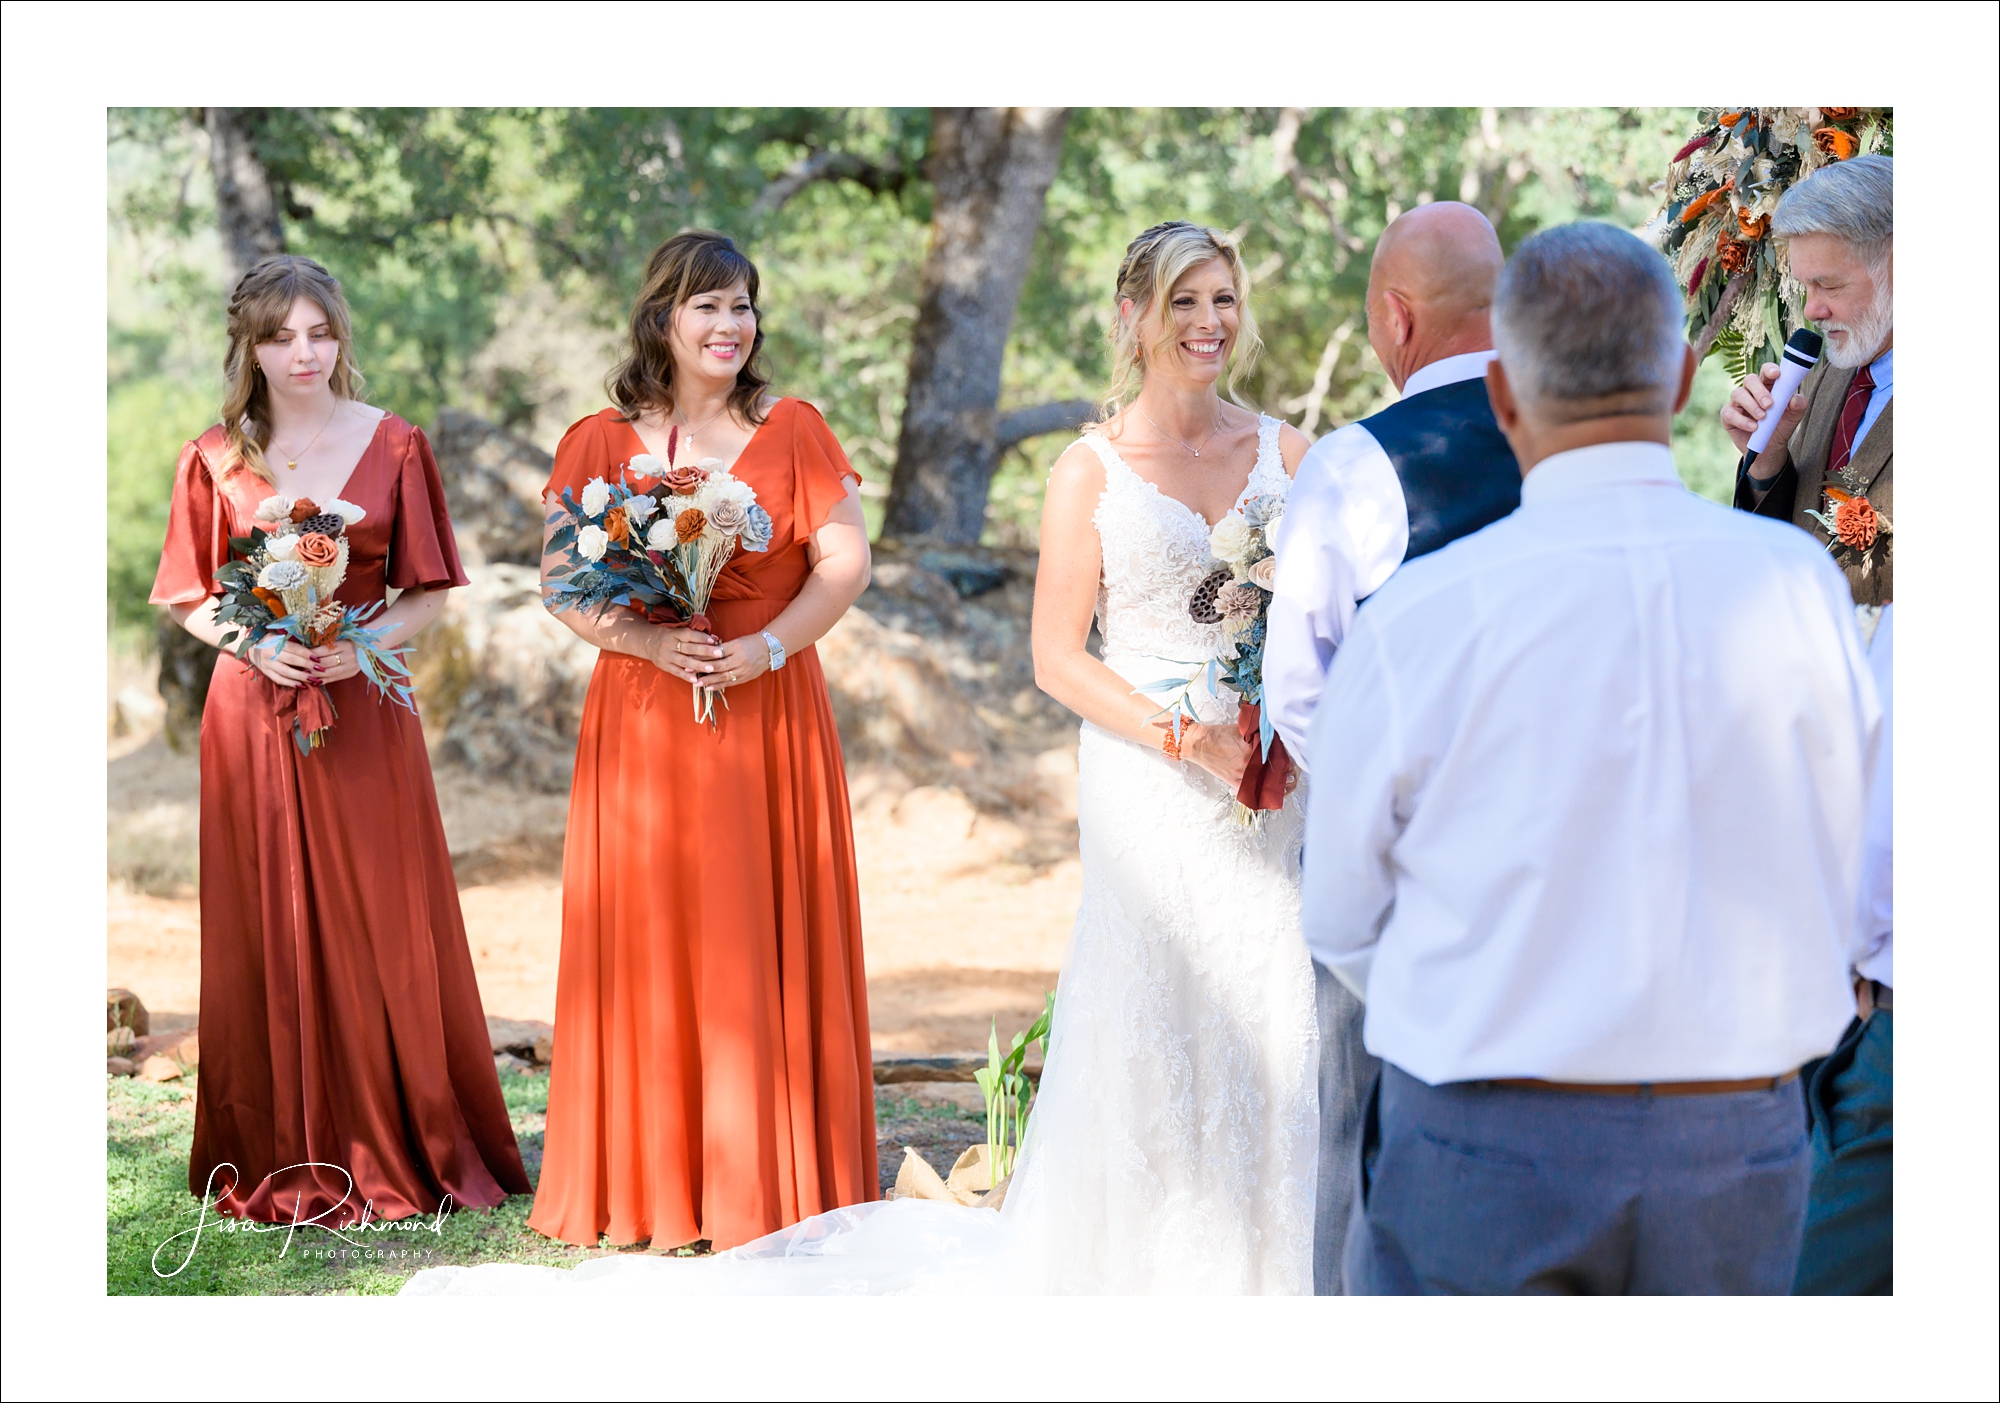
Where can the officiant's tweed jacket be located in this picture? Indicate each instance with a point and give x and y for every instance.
(1873, 461)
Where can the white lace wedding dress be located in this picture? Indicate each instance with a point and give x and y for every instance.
(1172, 1145)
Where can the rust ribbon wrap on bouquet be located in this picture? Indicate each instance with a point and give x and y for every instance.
(311, 712)
(1265, 777)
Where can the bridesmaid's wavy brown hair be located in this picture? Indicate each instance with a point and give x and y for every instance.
(257, 311)
(690, 263)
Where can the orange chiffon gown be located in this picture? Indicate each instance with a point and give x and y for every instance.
(341, 1029)
(712, 1074)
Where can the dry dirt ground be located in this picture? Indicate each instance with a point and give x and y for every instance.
(965, 917)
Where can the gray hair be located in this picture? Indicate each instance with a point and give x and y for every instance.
(1852, 200)
(1589, 312)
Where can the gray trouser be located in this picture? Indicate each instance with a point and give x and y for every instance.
(1476, 1188)
(1346, 1076)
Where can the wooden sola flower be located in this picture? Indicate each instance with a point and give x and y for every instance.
(1852, 523)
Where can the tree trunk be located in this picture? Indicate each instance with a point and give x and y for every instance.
(990, 168)
(246, 204)
(246, 209)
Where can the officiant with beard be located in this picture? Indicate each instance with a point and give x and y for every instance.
(1830, 470)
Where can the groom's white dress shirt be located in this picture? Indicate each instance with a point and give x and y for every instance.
(1589, 788)
(1344, 532)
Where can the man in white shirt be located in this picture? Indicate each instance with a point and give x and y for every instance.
(1395, 486)
(1556, 767)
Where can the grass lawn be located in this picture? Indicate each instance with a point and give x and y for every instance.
(151, 1127)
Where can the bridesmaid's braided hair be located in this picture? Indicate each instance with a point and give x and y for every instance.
(1154, 262)
(257, 310)
(690, 263)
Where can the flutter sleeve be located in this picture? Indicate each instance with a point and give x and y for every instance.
(197, 534)
(820, 471)
(580, 457)
(423, 553)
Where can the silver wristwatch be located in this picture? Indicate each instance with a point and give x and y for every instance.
(777, 650)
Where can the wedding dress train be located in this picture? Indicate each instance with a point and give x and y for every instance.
(1172, 1145)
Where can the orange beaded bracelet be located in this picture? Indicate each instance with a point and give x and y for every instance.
(1170, 744)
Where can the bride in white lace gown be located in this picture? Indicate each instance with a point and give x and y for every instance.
(1172, 1144)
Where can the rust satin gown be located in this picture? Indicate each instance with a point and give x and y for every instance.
(712, 1074)
(340, 1021)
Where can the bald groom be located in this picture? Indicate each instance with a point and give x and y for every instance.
(1429, 469)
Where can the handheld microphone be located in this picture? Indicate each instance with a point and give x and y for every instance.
(1801, 355)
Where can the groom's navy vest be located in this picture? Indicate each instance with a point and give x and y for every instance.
(1458, 473)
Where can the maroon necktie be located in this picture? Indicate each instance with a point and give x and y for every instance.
(1851, 410)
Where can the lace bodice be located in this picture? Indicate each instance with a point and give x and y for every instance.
(1156, 552)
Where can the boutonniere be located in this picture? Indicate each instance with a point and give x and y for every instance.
(1854, 528)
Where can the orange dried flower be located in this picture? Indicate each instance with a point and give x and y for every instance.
(317, 550)
(329, 628)
(304, 509)
(616, 526)
(1835, 143)
(689, 524)
(1839, 114)
(1700, 204)
(1730, 119)
(1855, 522)
(1735, 256)
(273, 601)
(1751, 229)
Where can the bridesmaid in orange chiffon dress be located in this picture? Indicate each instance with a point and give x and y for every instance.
(345, 1062)
(712, 1075)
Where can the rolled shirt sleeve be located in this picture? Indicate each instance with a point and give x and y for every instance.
(1344, 532)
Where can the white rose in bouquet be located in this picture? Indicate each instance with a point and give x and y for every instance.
(639, 510)
(710, 466)
(282, 547)
(1229, 542)
(346, 511)
(591, 542)
(1264, 574)
(275, 508)
(662, 536)
(725, 488)
(646, 465)
(596, 497)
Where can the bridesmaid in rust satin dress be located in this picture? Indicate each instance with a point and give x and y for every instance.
(345, 1058)
(712, 1075)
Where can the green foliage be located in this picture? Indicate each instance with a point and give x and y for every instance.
(149, 418)
(1005, 1087)
(1702, 450)
(491, 255)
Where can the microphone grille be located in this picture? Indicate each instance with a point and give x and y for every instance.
(1806, 342)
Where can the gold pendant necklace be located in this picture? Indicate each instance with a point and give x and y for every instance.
(292, 462)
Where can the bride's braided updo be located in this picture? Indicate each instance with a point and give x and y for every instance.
(1154, 262)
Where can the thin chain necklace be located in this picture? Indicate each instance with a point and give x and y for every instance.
(691, 429)
(1213, 431)
(292, 461)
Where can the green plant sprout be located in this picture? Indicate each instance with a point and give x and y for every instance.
(1005, 1086)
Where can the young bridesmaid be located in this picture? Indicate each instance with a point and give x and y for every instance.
(712, 1074)
(345, 1059)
